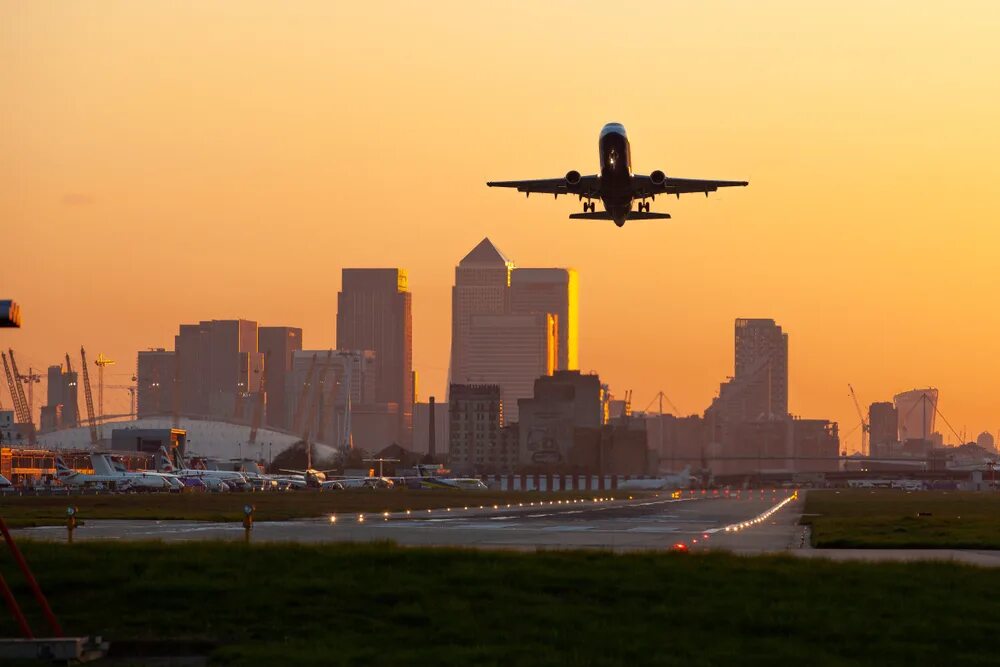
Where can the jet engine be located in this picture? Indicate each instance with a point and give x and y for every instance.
(572, 177)
(657, 177)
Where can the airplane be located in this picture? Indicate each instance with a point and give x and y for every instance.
(432, 476)
(214, 480)
(681, 480)
(107, 475)
(616, 186)
(310, 478)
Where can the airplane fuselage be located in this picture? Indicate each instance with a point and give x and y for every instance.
(616, 172)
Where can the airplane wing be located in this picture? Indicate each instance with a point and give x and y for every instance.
(643, 186)
(585, 186)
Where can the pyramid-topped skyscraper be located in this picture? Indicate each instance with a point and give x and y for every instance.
(482, 282)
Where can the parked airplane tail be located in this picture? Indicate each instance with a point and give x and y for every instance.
(63, 470)
(101, 464)
(163, 462)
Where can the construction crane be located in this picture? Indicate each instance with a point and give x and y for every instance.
(90, 398)
(25, 411)
(31, 379)
(865, 426)
(130, 388)
(101, 362)
(660, 396)
(19, 410)
(300, 404)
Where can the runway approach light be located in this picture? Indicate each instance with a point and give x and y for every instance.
(333, 518)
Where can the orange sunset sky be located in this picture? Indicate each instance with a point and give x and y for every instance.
(173, 161)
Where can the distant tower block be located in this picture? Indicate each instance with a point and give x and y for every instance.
(916, 409)
(986, 441)
(431, 441)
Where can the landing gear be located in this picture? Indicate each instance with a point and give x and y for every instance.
(588, 206)
(643, 206)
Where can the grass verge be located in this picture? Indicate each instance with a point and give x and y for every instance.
(29, 511)
(858, 518)
(380, 604)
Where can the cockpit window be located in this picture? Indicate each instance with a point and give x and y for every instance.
(616, 128)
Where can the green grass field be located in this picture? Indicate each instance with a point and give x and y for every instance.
(857, 518)
(27, 511)
(383, 605)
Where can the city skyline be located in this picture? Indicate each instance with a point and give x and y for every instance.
(194, 173)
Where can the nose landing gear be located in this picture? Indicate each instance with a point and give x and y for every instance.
(643, 206)
(588, 206)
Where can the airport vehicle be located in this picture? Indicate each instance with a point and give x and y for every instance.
(616, 186)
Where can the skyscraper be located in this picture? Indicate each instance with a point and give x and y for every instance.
(277, 344)
(762, 360)
(883, 423)
(482, 282)
(61, 409)
(156, 371)
(217, 367)
(374, 313)
(554, 291)
(916, 410)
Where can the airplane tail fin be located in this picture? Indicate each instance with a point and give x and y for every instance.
(101, 464)
(62, 470)
(163, 463)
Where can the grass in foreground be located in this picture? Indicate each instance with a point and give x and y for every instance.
(858, 518)
(380, 604)
(28, 511)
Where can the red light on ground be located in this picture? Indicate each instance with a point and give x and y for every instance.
(680, 546)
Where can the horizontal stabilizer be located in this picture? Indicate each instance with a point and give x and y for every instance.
(634, 215)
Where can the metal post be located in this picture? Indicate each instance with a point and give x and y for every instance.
(248, 511)
(32, 582)
(15, 610)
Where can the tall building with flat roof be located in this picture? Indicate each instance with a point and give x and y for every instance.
(511, 351)
(218, 366)
(883, 424)
(278, 344)
(554, 291)
(155, 373)
(374, 312)
(61, 399)
(482, 283)
(762, 359)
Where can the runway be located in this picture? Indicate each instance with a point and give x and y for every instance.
(619, 524)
